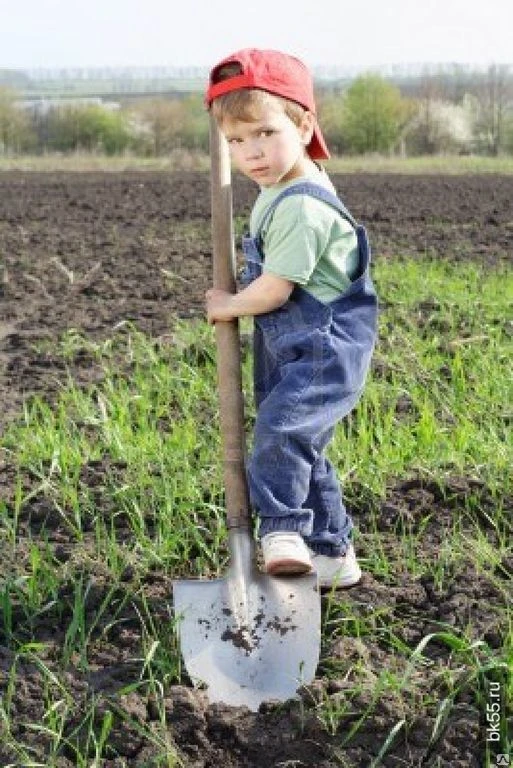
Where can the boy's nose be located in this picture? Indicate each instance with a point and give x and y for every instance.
(254, 151)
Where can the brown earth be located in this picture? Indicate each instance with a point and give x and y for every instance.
(92, 251)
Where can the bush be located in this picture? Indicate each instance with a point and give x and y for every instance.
(440, 127)
(162, 126)
(91, 128)
(374, 113)
(16, 134)
(331, 120)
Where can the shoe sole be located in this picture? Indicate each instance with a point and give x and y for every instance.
(287, 568)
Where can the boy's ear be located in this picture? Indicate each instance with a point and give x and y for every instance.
(306, 127)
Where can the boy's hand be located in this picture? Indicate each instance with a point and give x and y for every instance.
(219, 305)
(264, 294)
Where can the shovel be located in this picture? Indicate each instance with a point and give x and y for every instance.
(248, 637)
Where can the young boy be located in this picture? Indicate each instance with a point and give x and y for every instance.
(308, 288)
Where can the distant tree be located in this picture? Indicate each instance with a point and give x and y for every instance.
(14, 78)
(156, 124)
(439, 127)
(331, 119)
(508, 135)
(91, 128)
(16, 135)
(373, 115)
(427, 133)
(164, 125)
(495, 97)
(196, 126)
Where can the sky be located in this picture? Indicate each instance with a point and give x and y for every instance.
(117, 33)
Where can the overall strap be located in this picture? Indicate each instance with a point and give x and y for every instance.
(306, 188)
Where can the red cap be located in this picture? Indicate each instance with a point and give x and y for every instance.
(277, 73)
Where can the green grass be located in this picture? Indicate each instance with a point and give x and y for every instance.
(130, 468)
(193, 160)
(443, 364)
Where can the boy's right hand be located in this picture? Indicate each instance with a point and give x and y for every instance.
(219, 305)
(264, 294)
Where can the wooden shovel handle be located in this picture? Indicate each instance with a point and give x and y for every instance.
(229, 376)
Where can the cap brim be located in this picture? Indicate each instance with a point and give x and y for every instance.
(317, 148)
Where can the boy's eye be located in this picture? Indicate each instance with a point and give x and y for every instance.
(264, 133)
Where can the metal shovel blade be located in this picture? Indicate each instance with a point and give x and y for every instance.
(249, 637)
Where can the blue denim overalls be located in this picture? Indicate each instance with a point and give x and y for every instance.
(310, 364)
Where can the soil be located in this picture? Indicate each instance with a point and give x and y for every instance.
(93, 251)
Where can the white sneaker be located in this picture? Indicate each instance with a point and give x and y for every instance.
(285, 553)
(337, 572)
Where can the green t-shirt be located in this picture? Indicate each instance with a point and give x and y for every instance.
(307, 241)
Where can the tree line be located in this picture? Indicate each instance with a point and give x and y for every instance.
(371, 114)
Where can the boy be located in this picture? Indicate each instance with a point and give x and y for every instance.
(314, 308)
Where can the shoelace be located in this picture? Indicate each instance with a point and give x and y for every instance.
(282, 540)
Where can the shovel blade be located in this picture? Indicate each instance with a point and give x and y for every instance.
(249, 639)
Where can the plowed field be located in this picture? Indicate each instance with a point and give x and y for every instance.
(92, 251)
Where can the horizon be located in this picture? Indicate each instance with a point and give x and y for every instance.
(191, 71)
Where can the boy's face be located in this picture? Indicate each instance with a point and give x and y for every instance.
(271, 149)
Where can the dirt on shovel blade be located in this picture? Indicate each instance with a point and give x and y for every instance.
(249, 638)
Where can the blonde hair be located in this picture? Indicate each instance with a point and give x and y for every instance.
(244, 103)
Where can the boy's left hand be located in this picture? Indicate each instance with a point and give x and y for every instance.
(218, 305)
